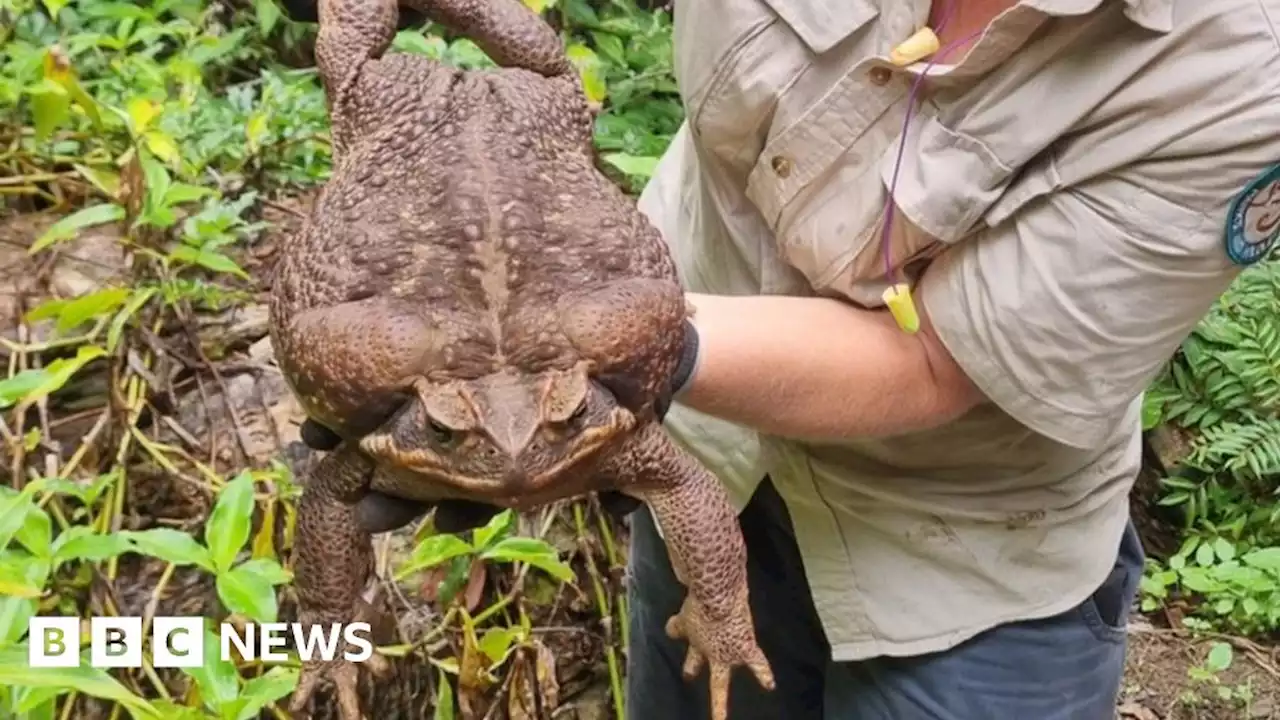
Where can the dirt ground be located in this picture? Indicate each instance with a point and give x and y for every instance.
(1159, 682)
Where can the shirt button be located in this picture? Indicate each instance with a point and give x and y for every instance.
(781, 165)
(879, 76)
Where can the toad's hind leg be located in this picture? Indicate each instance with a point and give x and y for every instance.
(333, 561)
(354, 32)
(707, 553)
(508, 31)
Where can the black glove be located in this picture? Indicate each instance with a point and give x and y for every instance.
(378, 513)
(309, 11)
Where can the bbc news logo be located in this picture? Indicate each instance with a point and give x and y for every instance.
(179, 642)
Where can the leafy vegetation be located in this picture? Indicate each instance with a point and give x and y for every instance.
(1221, 396)
(180, 131)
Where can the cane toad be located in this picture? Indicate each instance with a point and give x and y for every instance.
(480, 314)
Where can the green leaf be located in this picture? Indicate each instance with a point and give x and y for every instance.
(36, 533)
(15, 613)
(54, 7)
(1224, 549)
(268, 569)
(67, 227)
(611, 47)
(88, 307)
(633, 165)
(228, 527)
(1219, 658)
(180, 193)
(36, 703)
(49, 109)
(268, 15)
(255, 129)
(497, 642)
(590, 69)
(164, 148)
(444, 699)
(1266, 558)
(532, 551)
(414, 42)
(13, 588)
(1198, 580)
(1152, 411)
(130, 309)
(22, 576)
(107, 181)
(14, 507)
(265, 689)
(248, 593)
(499, 527)
(141, 112)
(21, 385)
(218, 680)
(87, 493)
(156, 180)
(169, 710)
(172, 546)
(433, 551)
(14, 671)
(1251, 606)
(57, 374)
(207, 258)
(80, 542)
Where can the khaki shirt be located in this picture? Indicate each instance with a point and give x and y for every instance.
(1068, 183)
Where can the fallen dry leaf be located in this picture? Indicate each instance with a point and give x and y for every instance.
(529, 701)
(471, 594)
(1137, 712)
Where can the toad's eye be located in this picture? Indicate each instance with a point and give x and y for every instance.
(440, 433)
(579, 413)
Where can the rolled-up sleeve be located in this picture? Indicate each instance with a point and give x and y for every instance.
(1084, 201)
(1066, 311)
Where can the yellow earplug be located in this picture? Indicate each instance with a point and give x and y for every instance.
(917, 47)
(902, 306)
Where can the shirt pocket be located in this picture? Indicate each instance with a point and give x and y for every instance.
(747, 54)
(834, 231)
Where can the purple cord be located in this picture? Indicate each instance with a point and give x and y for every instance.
(886, 231)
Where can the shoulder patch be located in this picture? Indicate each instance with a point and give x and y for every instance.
(1253, 222)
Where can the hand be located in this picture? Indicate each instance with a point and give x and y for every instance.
(379, 513)
(684, 370)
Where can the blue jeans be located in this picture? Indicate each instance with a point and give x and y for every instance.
(1066, 667)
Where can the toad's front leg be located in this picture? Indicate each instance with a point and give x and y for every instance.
(707, 553)
(333, 561)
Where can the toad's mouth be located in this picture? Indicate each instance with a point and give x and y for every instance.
(517, 481)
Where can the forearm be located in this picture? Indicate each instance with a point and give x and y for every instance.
(820, 369)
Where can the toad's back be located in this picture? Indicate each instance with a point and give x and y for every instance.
(470, 202)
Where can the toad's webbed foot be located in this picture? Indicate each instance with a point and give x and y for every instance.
(343, 673)
(708, 555)
(721, 643)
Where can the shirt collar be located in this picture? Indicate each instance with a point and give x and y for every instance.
(1155, 15)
